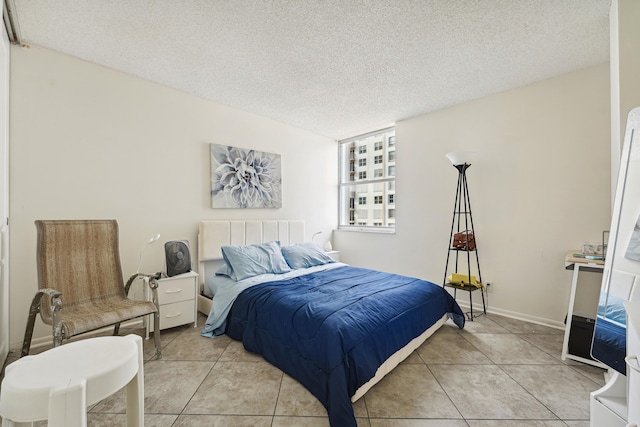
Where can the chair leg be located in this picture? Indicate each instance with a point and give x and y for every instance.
(156, 334)
(28, 333)
(153, 284)
(116, 327)
(56, 306)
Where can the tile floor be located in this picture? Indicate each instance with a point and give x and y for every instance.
(496, 372)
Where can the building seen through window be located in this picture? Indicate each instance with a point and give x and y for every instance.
(367, 180)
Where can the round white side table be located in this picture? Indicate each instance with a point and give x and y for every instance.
(60, 383)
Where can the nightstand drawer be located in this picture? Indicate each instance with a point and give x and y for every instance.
(176, 314)
(174, 290)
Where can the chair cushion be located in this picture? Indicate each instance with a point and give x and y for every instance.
(102, 312)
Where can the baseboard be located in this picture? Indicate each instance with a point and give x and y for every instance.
(48, 340)
(518, 316)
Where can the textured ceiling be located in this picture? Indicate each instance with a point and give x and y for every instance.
(336, 67)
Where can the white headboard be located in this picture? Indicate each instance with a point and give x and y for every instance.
(212, 235)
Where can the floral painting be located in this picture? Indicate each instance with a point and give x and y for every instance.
(242, 178)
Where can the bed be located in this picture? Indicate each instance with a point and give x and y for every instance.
(335, 328)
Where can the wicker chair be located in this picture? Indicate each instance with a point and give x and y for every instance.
(80, 282)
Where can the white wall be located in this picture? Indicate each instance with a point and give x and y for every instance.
(625, 66)
(540, 187)
(5, 60)
(90, 142)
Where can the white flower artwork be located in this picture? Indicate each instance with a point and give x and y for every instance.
(242, 178)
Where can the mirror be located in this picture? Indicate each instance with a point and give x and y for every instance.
(621, 275)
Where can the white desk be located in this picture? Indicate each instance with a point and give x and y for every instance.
(577, 265)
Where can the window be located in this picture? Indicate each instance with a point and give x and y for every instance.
(368, 192)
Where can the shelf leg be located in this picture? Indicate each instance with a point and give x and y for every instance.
(572, 300)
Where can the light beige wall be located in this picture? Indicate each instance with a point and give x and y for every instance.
(89, 142)
(625, 67)
(540, 186)
(5, 60)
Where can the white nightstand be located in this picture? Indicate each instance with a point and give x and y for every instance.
(177, 300)
(335, 255)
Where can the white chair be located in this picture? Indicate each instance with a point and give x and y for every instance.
(59, 384)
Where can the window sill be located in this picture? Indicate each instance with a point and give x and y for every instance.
(379, 230)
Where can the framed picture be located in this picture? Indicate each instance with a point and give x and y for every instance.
(242, 178)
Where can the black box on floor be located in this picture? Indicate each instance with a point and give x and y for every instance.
(581, 336)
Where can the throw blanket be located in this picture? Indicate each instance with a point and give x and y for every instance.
(331, 330)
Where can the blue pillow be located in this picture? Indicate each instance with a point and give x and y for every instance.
(224, 270)
(304, 255)
(252, 260)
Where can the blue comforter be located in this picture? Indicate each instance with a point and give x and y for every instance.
(609, 344)
(331, 330)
